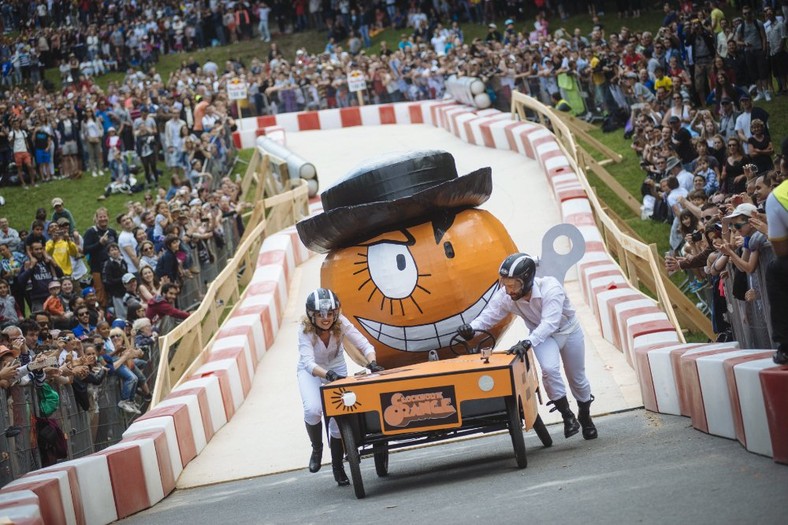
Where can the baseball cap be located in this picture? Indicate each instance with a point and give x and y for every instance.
(88, 290)
(128, 277)
(492, 26)
(509, 21)
(54, 284)
(725, 100)
(111, 128)
(119, 323)
(744, 208)
(673, 119)
(63, 222)
(745, 96)
(57, 201)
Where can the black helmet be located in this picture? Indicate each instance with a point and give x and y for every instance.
(322, 301)
(519, 266)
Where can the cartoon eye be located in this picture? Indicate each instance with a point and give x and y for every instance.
(392, 269)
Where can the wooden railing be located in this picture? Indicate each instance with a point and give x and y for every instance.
(639, 261)
(277, 205)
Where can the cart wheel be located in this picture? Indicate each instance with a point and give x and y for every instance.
(541, 431)
(353, 459)
(516, 431)
(381, 453)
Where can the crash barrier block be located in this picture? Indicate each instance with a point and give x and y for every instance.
(715, 390)
(53, 496)
(226, 370)
(774, 382)
(158, 438)
(276, 133)
(591, 273)
(622, 308)
(753, 408)
(167, 426)
(733, 391)
(690, 392)
(263, 307)
(239, 357)
(95, 487)
(478, 130)
(21, 508)
(134, 474)
(606, 303)
(658, 375)
(603, 283)
(182, 422)
(209, 395)
(226, 348)
(191, 404)
(263, 279)
(245, 328)
(645, 324)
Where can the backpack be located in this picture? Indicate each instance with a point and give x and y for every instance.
(52, 443)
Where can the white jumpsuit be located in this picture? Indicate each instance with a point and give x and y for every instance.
(332, 357)
(555, 334)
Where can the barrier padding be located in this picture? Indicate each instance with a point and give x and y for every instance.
(91, 474)
(209, 399)
(53, 496)
(167, 426)
(753, 407)
(134, 474)
(21, 508)
(238, 348)
(775, 394)
(159, 439)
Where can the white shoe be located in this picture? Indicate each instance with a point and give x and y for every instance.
(127, 406)
(768, 96)
(95, 174)
(758, 97)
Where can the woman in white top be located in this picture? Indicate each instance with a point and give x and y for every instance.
(322, 360)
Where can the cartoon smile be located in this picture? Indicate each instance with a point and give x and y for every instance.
(421, 338)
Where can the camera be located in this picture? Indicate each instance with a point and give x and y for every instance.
(697, 236)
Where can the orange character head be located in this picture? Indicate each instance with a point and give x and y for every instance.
(408, 254)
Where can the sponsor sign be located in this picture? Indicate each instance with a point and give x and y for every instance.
(419, 408)
(236, 89)
(356, 81)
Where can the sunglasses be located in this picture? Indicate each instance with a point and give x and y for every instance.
(80, 314)
(115, 337)
(707, 217)
(732, 145)
(739, 225)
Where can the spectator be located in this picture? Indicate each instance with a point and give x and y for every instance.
(9, 236)
(39, 270)
(10, 312)
(97, 238)
(128, 243)
(20, 138)
(112, 275)
(61, 212)
(163, 305)
(60, 247)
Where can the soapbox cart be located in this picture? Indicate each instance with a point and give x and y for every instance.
(478, 391)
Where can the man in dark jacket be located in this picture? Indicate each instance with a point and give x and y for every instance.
(702, 42)
(39, 271)
(112, 274)
(96, 240)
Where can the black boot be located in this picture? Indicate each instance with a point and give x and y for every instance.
(571, 426)
(315, 433)
(584, 417)
(337, 455)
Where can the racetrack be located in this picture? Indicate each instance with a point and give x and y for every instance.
(267, 435)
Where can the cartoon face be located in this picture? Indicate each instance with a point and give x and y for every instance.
(408, 290)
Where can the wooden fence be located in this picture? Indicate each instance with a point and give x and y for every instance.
(640, 262)
(277, 205)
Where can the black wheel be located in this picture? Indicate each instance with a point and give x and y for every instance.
(516, 431)
(541, 431)
(353, 459)
(381, 453)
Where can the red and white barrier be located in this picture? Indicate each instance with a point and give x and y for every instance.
(719, 386)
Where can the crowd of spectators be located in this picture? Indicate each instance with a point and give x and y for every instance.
(690, 95)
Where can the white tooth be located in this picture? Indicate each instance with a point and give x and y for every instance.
(425, 337)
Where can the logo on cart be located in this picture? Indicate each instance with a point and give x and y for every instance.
(419, 408)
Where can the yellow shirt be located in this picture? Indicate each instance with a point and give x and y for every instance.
(62, 251)
(664, 82)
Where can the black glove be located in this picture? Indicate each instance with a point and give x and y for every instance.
(466, 332)
(520, 348)
(333, 376)
(373, 367)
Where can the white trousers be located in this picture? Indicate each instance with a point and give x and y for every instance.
(309, 386)
(569, 348)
